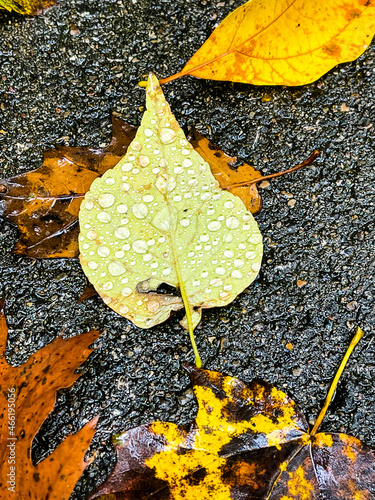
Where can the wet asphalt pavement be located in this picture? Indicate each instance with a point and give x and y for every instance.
(61, 76)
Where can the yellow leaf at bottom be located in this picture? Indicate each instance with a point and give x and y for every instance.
(29, 7)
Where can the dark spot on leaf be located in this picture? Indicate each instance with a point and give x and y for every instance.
(51, 217)
(278, 412)
(353, 14)
(197, 477)
(332, 50)
(181, 451)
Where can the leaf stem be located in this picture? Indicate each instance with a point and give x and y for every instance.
(305, 163)
(357, 337)
(286, 462)
(198, 361)
(172, 77)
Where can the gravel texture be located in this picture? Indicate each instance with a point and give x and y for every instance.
(61, 76)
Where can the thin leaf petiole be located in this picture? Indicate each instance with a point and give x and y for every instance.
(305, 163)
(357, 337)
(198, 361)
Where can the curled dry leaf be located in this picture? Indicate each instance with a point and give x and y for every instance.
(27, 396)
(44, 203)
(159, 217)
(29, 7)
(284, 42)
(248, 441)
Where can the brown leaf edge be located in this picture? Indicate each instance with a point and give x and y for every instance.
(44, 203)
(241, 180)
(238, 179)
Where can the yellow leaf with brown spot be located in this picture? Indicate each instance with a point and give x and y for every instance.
(284, 42)
(26, 7)
(248, 441)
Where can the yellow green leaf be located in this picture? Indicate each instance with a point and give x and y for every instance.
(159, 217)
(284, 42)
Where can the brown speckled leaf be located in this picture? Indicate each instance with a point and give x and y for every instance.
(248, 442)
(44, 203)
(28, 392)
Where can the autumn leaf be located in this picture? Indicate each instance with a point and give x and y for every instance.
(248, 441)
(222, 168)
(29, 7)
(159, 217)
(27, 396)
(228, 177)
(284, 42)
(44, 203)
(241, 181)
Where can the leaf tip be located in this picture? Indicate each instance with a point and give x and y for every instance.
(359, 333)
(152, 84)
(93, 423)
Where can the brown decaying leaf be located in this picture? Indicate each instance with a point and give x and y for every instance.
(283, 42)
(247, 442)
(242, 180)
(27, 396)
(26, 7)
(222, 167)
(44, 203)
(87, 293)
